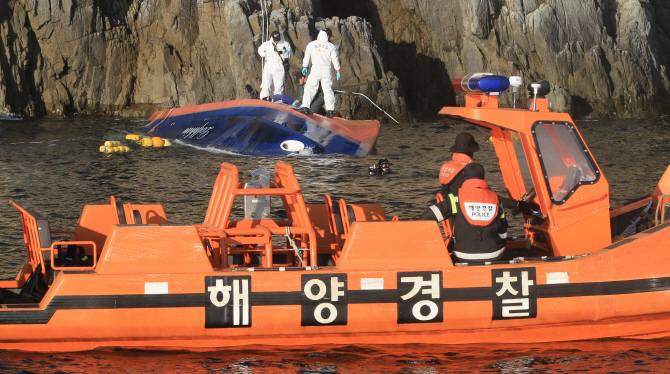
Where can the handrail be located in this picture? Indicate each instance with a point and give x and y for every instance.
(446, 224)
(263, 231)
(344, 213)
(31, 238)
(332, 223)
(265, 191)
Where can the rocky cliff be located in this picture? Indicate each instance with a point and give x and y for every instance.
(130, 57)
(602, 57)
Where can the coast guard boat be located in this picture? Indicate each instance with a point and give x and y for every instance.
(339, 273)
(263, 128)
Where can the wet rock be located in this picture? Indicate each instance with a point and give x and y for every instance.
(132, 57)
(611, 56)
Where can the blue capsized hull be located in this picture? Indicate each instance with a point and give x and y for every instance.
(256, 127)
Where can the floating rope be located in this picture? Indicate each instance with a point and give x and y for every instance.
(373, 103)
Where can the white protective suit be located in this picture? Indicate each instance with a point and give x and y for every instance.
(322, 53)
(273, 72)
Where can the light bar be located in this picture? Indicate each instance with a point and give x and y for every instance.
(481, 83)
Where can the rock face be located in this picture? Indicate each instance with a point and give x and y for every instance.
(602, 57)
(131, 57)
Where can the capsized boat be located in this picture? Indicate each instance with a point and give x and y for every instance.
(263, 128)
(339, 273)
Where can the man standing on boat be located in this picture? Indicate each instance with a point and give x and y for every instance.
(276, 52)
(480, 227)
(317, 101)
(322, 53)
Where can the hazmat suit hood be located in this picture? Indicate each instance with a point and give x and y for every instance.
(322, 36)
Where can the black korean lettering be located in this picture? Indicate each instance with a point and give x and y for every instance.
(324, 300)
(514, 293)
(420, 297)
(227, 301)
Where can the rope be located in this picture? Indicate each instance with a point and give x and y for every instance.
(295, 247)
(373, 103)
(263, 32)
(159, 123)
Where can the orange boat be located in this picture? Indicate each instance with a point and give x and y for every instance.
(338, 273)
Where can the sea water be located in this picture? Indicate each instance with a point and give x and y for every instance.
(53, 166)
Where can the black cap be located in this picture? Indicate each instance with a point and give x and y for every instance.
(473, 170)
(465, 143)
(329, 32)
(275, 36)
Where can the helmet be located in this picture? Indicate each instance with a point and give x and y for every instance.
(275, 36)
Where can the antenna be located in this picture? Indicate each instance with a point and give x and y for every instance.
(535, 87)
(516, 82)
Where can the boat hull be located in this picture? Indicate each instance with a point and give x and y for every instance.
(177, 304)
(257, 127)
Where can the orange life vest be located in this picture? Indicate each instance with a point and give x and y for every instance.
(478, 204)
(450, 169)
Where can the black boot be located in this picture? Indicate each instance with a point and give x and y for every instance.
(330, 113)
(305, 110)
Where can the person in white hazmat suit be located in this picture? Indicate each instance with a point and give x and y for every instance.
(275, 51)
(322, 53)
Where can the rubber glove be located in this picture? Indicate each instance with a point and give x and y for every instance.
(295, 103)
(528, 208)
(304, 70)
(338, 75)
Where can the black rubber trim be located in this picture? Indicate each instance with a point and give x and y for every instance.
(121, 214)
(352, 214)
(338, 219)
(657, 228)
(619, 244)
(138, 217)
(198, 300)
(22, 306)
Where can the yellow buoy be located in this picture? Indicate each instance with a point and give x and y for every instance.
(147, 142)
(166, 143)
(112, 143)
(133, 137)
(126, 148)
(158, 142)
(102, 148)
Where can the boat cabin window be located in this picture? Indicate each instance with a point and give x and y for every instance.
(566, 163)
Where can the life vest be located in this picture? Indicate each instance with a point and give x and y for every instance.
(450, 169)
(480, 228)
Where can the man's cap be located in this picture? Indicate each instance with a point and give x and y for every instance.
(275, 35)
(473, 170)
(465, 143)
(329, 32)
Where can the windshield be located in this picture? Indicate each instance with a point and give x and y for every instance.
(565, 160)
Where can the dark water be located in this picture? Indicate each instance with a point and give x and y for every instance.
(53, 165)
